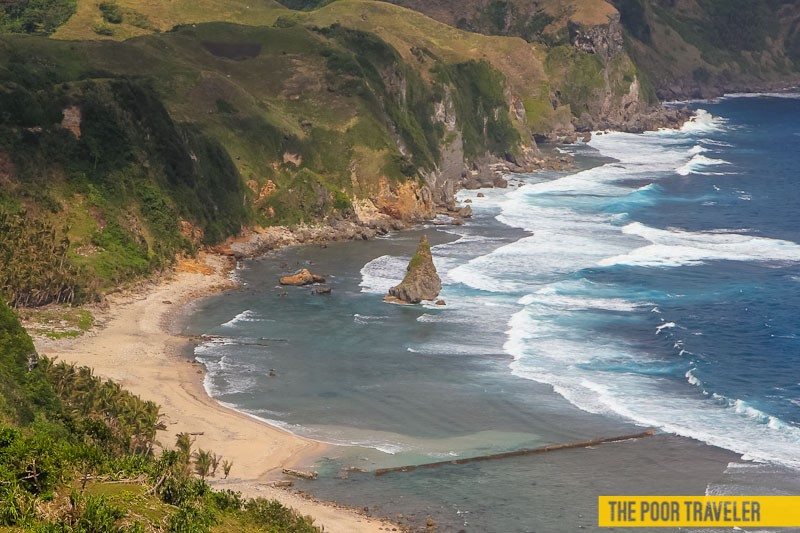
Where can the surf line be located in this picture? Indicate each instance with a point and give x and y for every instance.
(518, 453)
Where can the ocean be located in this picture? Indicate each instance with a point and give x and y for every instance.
(655, 285)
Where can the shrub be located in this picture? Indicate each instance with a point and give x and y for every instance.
(35, 16)
(273, 515)
(111, 12)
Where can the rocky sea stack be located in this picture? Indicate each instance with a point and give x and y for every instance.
(421, 281)
(302, 277)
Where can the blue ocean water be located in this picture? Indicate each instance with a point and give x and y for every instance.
(676, 304)
(655, 285)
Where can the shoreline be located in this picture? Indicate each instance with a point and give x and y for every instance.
(135, 343)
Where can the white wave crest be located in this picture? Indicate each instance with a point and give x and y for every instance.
(368, 319)
(698, 163)
(703, 122)
(244, 316)
(697, 149)
(665, 325)
(562, 302)
(676, 248)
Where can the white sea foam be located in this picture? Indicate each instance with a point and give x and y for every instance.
(223, 377)
(382, 273)
(244, 316)
(787, 95)
(549, 298)
(573, 229)
(671, 247)
(697, 149)
(703, 122)
(368, 319)
(716, 142)
(450, 318)
(697, 165)
(550, 353)
(665, 325)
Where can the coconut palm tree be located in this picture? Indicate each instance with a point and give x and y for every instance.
(202, 463)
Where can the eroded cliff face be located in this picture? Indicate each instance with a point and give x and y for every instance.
(589, 81)
(617, 100)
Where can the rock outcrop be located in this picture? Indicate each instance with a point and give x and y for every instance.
(421, 281)
(302, 277)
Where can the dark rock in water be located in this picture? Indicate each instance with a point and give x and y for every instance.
(421, 281)
(302, 277)
(500, 182)
(467, 201)
(440, 302)
(465, 212)
(481, 195)
(322, 290)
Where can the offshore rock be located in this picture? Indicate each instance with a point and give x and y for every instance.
(302, 277)
(421, 281)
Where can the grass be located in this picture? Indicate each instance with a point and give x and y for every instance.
(163, 16)
(133, 498)
(58, 322)
(314, 108)
(578, 74)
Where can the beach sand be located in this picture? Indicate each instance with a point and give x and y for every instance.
(136, 344)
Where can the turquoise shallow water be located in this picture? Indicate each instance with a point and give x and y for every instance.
(654, 289)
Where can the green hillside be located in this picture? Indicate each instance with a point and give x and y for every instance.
(686, 48)
(76, 454)
(135, 130)
(126, 153)
(700, 48)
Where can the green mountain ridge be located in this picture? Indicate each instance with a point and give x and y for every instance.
(685, 48)
(142, 130)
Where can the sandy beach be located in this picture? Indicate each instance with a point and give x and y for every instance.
(135, 343)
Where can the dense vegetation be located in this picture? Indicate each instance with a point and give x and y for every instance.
(501, 17)
(34, 16)
(85, 210)
(76, 454)
(479, 101)
(118, 156)
(712, 44)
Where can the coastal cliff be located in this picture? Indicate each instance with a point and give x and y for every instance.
(132, 139)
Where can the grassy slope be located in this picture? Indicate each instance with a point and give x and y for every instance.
(306, 119)
(61, 426)
(402, 28)
(141, 17)
(704, 45)
(492, 17)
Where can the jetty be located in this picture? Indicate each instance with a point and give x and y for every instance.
(518, 453)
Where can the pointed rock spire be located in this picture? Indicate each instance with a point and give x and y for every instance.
(421, 281)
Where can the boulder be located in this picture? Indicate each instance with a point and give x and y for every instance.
(421, 281)
(301, 277)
